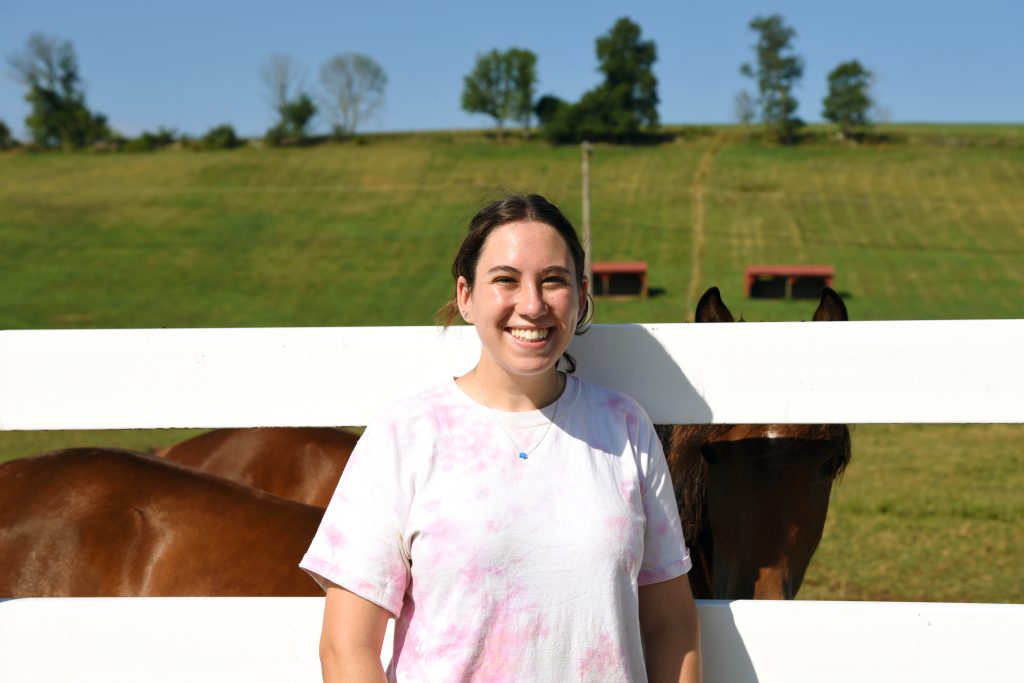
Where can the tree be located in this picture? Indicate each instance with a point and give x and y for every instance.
(777, 73)
(284, 79)
(848, 101)
(744, 107)
(48, 67)
(296, 116)
(7, 140)
(285, 83)
(547, 108)
(627, 62)
(522, 65)
(501, 86)
(355, 87)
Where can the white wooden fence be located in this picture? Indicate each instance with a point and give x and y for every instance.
(851, 372)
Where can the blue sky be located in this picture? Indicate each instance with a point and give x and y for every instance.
(194, 64)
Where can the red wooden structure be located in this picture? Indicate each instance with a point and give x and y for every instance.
(604, 271)
(791, 275)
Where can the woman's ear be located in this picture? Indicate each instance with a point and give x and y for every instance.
(584, 290)
(463, 297)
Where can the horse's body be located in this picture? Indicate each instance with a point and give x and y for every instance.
(298, 463)
(107, 522)
(753, 498)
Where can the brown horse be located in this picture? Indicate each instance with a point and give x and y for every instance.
(107, 522)
(298, 463)
(753, 498)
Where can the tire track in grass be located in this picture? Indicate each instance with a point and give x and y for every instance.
(902, 217)
(952, 184)
(1003, 219)
(698, 189)
(830, 231)
(992, 229)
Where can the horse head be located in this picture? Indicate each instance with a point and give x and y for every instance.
(753, 498)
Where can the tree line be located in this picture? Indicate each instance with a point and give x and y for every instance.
(623, 107)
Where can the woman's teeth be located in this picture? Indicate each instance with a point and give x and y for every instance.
(529, 335)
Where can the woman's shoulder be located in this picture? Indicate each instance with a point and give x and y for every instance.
(607, 397)
(421, 407)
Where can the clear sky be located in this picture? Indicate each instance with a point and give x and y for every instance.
(193, 64)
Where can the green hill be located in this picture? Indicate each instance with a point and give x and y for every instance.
(363, 234)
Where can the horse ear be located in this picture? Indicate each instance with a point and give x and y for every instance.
(831, 307)
(711, 308)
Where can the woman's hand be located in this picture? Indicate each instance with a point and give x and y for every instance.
(351, 639)
(671, 631)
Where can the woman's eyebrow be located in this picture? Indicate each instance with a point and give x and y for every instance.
(516, 271)
(504, 269)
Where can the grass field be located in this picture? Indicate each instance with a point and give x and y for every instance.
(931, 226)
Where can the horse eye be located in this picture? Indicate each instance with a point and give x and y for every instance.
(709, 453)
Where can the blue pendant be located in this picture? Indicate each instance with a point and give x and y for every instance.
(523, 456)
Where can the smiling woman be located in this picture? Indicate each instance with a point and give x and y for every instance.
(517, 522)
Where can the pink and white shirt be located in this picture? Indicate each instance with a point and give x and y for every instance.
(499, 568)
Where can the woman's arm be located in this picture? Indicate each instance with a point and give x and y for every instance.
(351, 639)
(671, 631)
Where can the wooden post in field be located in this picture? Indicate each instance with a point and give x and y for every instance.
(588, 150)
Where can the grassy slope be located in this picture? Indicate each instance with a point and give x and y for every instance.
(362, 235)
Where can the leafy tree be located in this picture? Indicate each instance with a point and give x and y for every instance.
(744, 107)
(627, 62)
(285, 83)
(522, 65)
(7, 140)
(297, 115)
(777, 72)
(547, 108)
(501, 86)
(355, 87)
(848, 100)
(48, 67)
(625, 106)
(293, 126)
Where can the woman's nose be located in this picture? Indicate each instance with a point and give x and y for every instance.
(531, 301)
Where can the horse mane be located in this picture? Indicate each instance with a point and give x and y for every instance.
(690, 469)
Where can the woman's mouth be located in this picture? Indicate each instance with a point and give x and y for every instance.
(529, 335)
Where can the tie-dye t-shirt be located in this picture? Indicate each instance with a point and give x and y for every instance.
(499, 568)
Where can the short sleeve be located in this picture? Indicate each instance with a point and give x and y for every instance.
(359, 545)
(665, 553)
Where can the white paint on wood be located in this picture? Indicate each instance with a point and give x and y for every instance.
(850, 372)
(275, 639)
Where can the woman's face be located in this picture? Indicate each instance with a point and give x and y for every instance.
(525, 302)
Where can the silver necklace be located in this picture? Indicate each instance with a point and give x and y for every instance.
(523, 455)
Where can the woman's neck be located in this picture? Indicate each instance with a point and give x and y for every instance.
(512, 393)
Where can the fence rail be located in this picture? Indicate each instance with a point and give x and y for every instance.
(274, 640)
(953, 371)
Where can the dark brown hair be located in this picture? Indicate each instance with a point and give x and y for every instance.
(513, 208)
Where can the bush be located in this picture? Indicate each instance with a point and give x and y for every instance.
(600, 115)
(219, 137)
(276, 136)
(547, 109)
(7, 140)
(147, 142)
